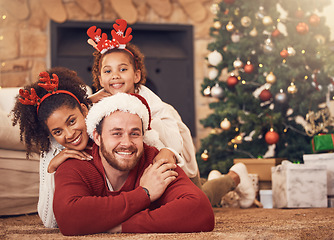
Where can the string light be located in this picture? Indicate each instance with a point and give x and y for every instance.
(260, 65)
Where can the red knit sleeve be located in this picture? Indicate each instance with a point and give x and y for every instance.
(81, 202)
(182, 208)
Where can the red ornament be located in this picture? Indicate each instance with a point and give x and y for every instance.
(275, 33)
(249, 68)
(284, 53)
(314, 20)
(302, 28)
(229, 1)
(299, 13)
(232, 81)
(271, 137)
(265, 95)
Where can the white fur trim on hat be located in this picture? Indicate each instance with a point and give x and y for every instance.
(126, 103)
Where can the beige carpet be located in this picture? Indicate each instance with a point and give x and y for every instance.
(253, 223)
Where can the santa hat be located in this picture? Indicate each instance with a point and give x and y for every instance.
(132, 103)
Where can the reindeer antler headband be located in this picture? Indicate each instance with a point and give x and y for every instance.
(103, 44)
(50, 85)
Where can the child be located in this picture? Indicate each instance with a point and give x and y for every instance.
(54, 125)
(119, 67)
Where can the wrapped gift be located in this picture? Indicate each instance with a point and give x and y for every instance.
(322, 143)
(261, 167)
(299, 186)
(326, 159)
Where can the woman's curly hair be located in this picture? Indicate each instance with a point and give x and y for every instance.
(33, 130)
(137, 60)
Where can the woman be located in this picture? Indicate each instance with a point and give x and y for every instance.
(51, 114)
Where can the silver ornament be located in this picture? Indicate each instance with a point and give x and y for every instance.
(235, 37)
(291, 51)
(213, 73)
(217, 91)
(268, 46)
(215, 58)
(281, 97)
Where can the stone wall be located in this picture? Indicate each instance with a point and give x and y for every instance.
(24, 37)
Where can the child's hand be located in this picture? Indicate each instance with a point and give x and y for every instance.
(64, 155)
(99, 95)
(165, 154)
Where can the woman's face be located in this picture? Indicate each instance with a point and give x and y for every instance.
(68, 127)
(117, 73)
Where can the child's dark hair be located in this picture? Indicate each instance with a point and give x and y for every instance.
(33, 130)
(137, 59)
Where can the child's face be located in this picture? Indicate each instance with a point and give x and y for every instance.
(68, 127)
(117, 73)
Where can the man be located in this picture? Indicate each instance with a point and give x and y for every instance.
(121, 189)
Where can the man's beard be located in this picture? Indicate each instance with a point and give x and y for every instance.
(121, 165)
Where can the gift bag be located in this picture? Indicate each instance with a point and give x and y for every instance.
(322, 143)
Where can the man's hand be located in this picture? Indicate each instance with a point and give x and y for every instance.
(157, 177)
(64, 155)
(98, 96)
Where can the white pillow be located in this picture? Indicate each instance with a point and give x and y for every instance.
(7, 98)
(9, 134)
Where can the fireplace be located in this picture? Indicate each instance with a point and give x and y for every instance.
(168, 51)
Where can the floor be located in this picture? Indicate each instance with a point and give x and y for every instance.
(231, 223)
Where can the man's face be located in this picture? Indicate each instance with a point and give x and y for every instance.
(121, 140)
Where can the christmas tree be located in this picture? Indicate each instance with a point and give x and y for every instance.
(270, 69)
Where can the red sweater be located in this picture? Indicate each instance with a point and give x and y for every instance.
(84, 205)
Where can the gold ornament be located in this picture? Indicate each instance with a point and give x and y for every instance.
(267, 20)
(246, 21)
(292, 89)
(237, 11)
(217, 25)
(291, 51)
(207, 91)
(237, 139)
(237, 63)
(320, 39)
(230, 26)
(205, 155)
(214, 8)
(225, 124)
(318, 121)
(271, 78)
(253, 33)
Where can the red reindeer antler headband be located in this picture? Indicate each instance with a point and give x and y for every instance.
(50, 85)
(103, 44)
